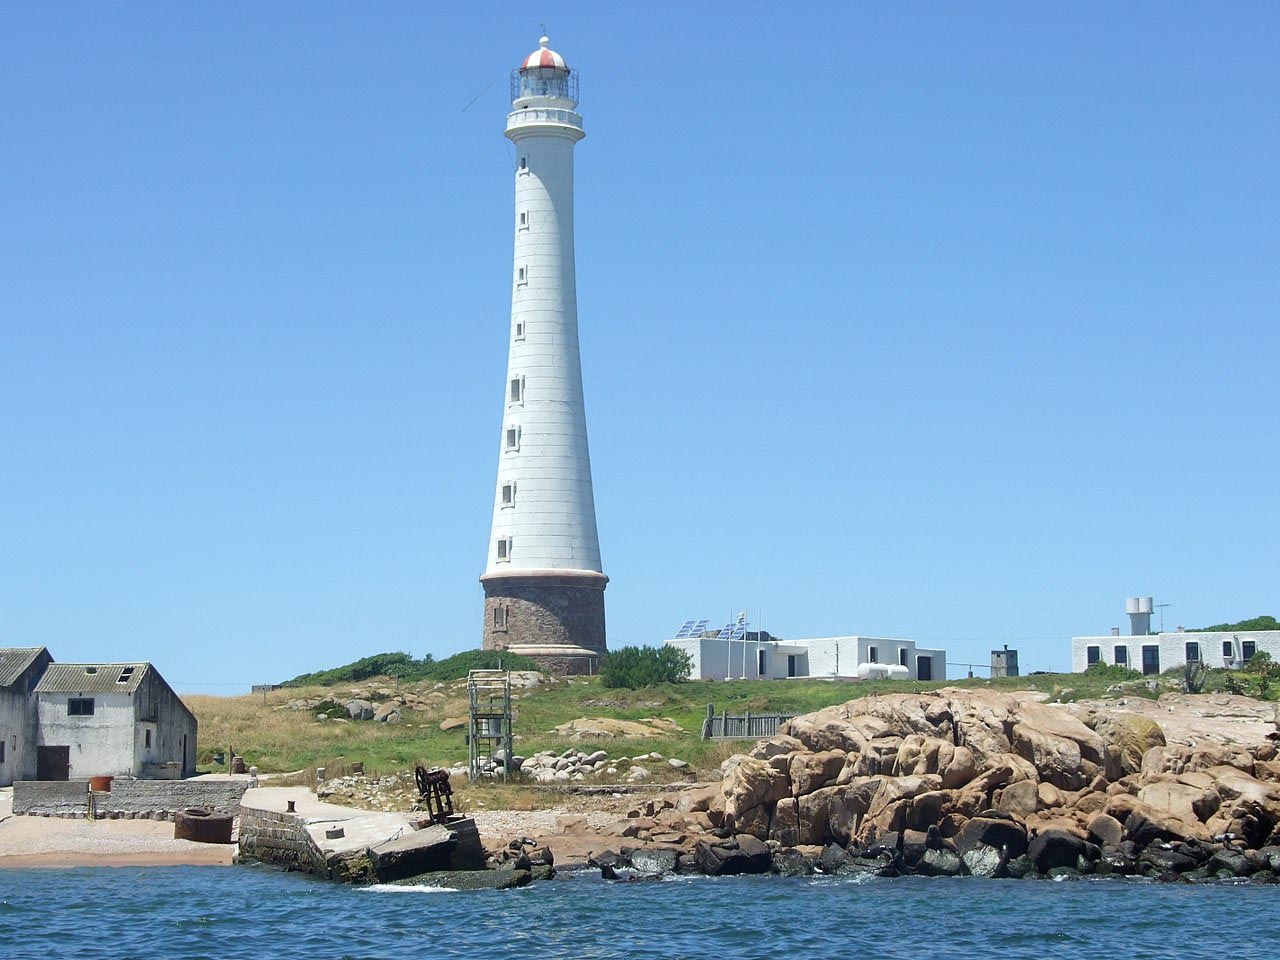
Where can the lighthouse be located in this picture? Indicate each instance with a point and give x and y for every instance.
(543, 582)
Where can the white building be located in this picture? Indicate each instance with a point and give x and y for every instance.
(1154, 653)
(1157, 652)
(20, 671)
(543, 582)
(111, 719)
(734, 654)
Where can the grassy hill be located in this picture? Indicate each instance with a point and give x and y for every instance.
(279, 731)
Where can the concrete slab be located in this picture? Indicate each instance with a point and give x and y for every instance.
(361, 828)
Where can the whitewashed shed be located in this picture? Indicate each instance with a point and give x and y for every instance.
(117, 719)
(20, 671)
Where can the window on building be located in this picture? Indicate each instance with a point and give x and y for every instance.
(1228, 651)
(80, 707)
(1122, 655)
(1, 750)
(517, 389)
(500, 616)
(873, 655)
(509, 494)
(524, 163)
(1193, 651)
(147, 740)
(1092, 655)
(520, 330)
(513, 438)
(524, 219)
(522, 274)
(125, 675)
(902, 656)
(1150, 660)
(504, 548)
(1247, 649)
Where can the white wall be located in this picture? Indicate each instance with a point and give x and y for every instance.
(101, 745)
(15, 731)
(1172, 647)
(822, 657)
(551, 522)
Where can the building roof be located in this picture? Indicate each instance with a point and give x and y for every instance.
(14, 661)
(92, 677)
(544, 57)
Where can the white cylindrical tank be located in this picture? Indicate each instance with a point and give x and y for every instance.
(1131, 606)
(882, 671)
(1145, 605)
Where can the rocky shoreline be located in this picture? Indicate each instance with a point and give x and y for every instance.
(979, 783)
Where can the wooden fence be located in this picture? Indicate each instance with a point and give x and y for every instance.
(748, 726)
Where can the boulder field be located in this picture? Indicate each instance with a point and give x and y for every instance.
(996, 784)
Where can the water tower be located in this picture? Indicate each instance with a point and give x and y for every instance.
(1139, 610)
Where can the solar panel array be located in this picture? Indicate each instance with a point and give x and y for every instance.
(691, 628)
(734, 631)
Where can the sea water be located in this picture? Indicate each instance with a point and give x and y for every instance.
(194, 912)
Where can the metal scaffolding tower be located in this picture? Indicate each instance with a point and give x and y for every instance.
(489, 721)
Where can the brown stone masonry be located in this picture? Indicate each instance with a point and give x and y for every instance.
(543, 608)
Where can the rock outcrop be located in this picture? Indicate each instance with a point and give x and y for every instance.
(989, 783)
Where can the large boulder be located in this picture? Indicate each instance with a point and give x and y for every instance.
(751, 787)
(741, 854)
(776, 746)
(810, 771)
(360, 709)
(1128, 736)
(654, 860)
(999, 833)
(1055, 848)
(785, 825)
(1185, 801)
(1063, 750)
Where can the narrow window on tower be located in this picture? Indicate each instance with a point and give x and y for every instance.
(517, 389)
(522, 275)
(509, 494)
(524, 164)
(524, 219)
(519, 329)
(500, 616)
(513, 438)
(504, 548)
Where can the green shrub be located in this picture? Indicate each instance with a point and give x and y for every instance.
(1112, 672)
(634, 667)
(457, 666)
(1257, 623)
(405, 667)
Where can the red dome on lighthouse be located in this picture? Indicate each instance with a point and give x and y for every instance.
(544, 57)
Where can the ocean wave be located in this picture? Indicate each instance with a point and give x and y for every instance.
(406, 888)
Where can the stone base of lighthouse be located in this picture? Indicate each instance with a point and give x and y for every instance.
(554, 617)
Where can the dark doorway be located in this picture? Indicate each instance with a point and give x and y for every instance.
(924, 668)
(53, 763)
(760, 664)
(1150, 660)
(791, 665)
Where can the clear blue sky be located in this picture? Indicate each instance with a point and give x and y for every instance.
(946, 321)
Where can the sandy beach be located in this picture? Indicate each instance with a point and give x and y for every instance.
(50, 842)
(53, 842)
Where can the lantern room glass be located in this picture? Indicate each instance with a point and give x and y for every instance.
(538, 82)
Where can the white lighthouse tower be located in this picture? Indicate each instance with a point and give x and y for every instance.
(543, 583)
